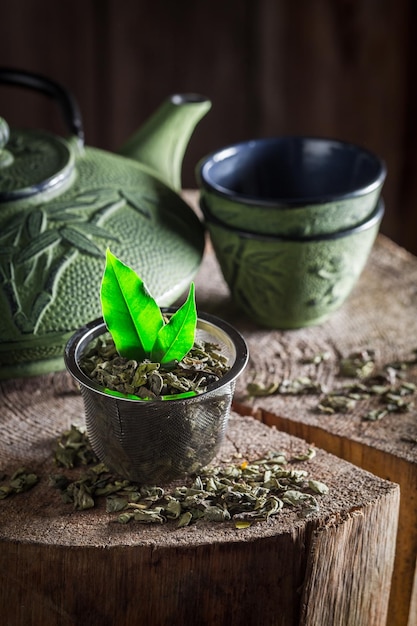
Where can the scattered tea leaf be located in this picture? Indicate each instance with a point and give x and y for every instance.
(375, 415)
(388, 385)
(316, 359)
(243, 493)
(258, 390)
(300, 386)
(81, 495)
(149, 516)
(22, 480)
(241, 524)
(318, 487)
(310, 454)
(185, 519)
(336, 404)
(73, 448)
(358, 364)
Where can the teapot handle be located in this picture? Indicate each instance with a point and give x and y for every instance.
(37, 82)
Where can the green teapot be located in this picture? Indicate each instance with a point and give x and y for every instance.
(62, 204)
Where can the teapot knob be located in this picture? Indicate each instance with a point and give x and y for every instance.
(6, 157)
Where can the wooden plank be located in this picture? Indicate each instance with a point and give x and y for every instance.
(337, 69)
(407, 191)
(62, 42)
(180, 48)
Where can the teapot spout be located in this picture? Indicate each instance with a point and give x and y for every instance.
(161, 142)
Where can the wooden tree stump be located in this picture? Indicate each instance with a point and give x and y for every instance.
(379, 315)
(70, 567)
(67, 567)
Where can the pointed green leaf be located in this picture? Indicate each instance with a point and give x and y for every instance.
(176, 338)
(131, 314)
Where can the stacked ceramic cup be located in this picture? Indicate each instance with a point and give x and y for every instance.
(292, 221)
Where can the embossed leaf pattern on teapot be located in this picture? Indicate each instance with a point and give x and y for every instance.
(62, 204)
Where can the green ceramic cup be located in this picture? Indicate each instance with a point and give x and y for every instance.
(287, 283)
(291, 186)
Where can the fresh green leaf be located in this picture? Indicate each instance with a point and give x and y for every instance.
(132, 316)
(135, 321)
(176, 338)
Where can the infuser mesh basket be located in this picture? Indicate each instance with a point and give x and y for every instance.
(157, 441)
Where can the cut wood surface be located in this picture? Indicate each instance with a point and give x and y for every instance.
(61, 566)
(380, 315)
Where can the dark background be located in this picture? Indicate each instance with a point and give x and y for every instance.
(339, 68)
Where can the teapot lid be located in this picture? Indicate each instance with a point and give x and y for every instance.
(31, 162)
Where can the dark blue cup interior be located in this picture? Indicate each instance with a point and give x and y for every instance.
(292, 170)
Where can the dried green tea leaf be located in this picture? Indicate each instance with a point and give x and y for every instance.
(396, 404)
(173, 509)
(358, 364)
(190, 376)
(216, 514)
(244, 493)
(59, 481)
(307, 502)
(318, 487)
(114, 504)
(303, 385)
(258, 390)
(185, 519)
(273, 505)
(21, 481)
(310, 454)
(149, 516)
(241, 524)
(318, 358)
(300, 386)
(407, 388)
(5, 490)
(375, 415)
(73, 448)
(81, 496)
(336, 404)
